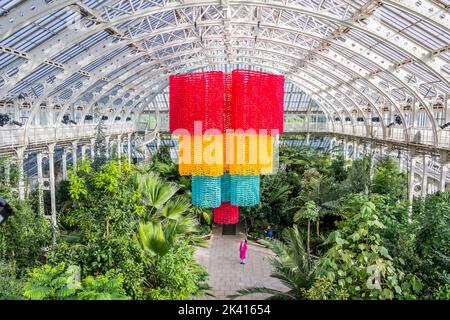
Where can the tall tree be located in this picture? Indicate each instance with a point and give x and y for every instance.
(389, 180)
(100, 147)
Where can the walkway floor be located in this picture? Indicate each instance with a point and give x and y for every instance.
(227, 275)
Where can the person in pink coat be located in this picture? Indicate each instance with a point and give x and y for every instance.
(243, 251)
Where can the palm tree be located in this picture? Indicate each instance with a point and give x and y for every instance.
(290, 265)
(166, 217)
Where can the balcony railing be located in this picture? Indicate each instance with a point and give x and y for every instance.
(415, 136)
(13, 136)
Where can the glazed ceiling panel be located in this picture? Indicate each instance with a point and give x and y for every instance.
(338, 55)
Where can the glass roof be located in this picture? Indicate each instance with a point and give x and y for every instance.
(337, 55)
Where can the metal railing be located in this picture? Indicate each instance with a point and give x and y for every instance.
(415, 135)
(14, 137)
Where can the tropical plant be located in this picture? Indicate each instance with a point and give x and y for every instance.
(357, 265)
(290, 265)
(25, 234)
(432, 220)
(51, 282)
(273, 208)
(11, 282)
(358, 177)
(177, 276)
(163, 215)
(388, 180)
(100, 146)
(309, 212)
(61, 283)
(338, 168)
(103, 287)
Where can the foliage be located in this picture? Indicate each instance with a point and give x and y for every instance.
(162, 163)
(388, 180)
(443, 292)
(290, 265)
(177, 276)
(357, 265)
(103, 287)
(132, 231)
(308, 212)
(432, 221)
(126, 220)
(338, 169)
(163, 215)
(100, 147)
(61, 283)
(156, 240)
(273, 208)
(11, 283)
(13, 171)
(47, 282)
(358, 177)
(23, 235)
(98, 230)
(363, 222)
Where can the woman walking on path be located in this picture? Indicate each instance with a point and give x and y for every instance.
(243, 251)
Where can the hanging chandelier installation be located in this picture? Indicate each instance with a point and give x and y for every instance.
(228, 127)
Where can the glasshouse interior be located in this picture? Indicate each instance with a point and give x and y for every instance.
(224, 149)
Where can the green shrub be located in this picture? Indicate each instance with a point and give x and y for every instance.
(11, 285)
(24, 235)
(61, 283)
(357, 265)
(177, 276)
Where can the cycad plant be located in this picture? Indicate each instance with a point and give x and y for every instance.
(290, 265)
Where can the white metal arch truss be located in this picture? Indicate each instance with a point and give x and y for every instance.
(356, 59)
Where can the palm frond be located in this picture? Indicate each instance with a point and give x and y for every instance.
(173, 209)
(280, 295)
(156, 191)
(153, 239)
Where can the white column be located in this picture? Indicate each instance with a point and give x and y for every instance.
(371, 149)
(443, 177)
(401, 160)
(20, 154)
(344, 148)
(158, 141)
(389, 150)
(119, 146)
(64, 164)
(107, 146)
(308, 137)
(424, 190)
(372, 160)
(83, 151)
(332, 145)
(7, 172)
(146, 152)
(367, 149)
(129, 147)
(51, 164)
(92, 150)
(40, 183)
(355, 149)
(443, 172)
(411, 166)
(74, 154)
